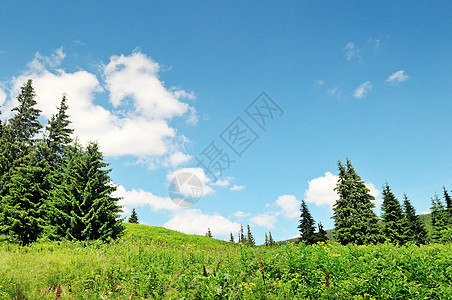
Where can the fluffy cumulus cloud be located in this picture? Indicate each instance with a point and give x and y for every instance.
(194, 221)
(290, 205)
(197, 172)
(362, 90)
(321, 190)
(266, 220)
(139, 197)
(138, 122)
(397, 77)
(240, 214)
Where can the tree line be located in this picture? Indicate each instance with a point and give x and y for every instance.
(50, 185)
(356, 222)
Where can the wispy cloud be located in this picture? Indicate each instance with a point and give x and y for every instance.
(351, 51)
(397, 77)
(237, 187)
(362, 90)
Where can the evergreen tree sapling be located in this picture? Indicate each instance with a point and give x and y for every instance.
(133, 217)
(231, 238)
(209, 233)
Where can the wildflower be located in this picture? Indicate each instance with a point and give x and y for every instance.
(335, 255)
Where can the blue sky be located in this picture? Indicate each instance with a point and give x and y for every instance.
(156, 83)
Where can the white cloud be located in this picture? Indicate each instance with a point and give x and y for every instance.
(362, 90)
(335, 92)
(135, 198)
(237, 187)
(198, 172)
(241, 214)
(223, 182)
(139, 123)
(194, 221)
(351, 51)
(2, 96)
(267, 220)
(397, 77)
(321, 190)
(290, 205)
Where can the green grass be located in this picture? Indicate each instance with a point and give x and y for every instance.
(152, 262)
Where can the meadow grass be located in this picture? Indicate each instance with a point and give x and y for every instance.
(152, 262)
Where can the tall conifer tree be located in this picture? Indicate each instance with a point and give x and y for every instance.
(307, 224)
(392, 217)
(414, 228)
(249, 238)
(439, 218)
(354, 219)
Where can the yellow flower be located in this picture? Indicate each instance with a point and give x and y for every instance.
(335, 255)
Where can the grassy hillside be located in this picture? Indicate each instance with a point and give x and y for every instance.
(151, 262)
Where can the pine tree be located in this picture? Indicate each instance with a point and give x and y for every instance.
(307, 224)
(354, 219)
(392, 217)
(271, 242)
(266, 240)
(231, 238)
(209, 233)
(249, 238)
(83, 205)
(439, 219)
(133, 217)
(414, 228)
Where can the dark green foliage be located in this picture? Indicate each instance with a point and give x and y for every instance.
(209, 233)
(320, 235)
(242, 238)
(392, 217)
(414, 228)
(249, 237)
(307, 224)
(448, 206)
(439, 218)
(271, 242)
(57, 135)
(83, 205)
(25, 123)
(354, 219)
(25, 205)
(266, 240)
(133, 217)
(231, 238)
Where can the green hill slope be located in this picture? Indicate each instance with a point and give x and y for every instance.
(152, 262)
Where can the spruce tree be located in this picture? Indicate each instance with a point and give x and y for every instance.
(392, 217)
(25, 123)
(271, 242)
(439, 218)
(58, 134)
(307, 224)
(133, 217)
(266, 240)
(249, 237)
(83, 205)
(354, 219)
(448, 200)
(414, 228)
(209, 233)
(242, 238)
(320, 235)
(24, 207)
(231, 238)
